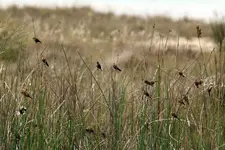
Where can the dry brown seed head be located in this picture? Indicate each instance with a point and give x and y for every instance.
(153, 26)
(199, 32)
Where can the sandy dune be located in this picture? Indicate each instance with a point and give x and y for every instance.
(206, 44)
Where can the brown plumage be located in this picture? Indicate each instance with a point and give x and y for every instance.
(90, 130)
(116, 67)
(103, 135)
(99, 66)
(181, 74)
(45, 61)
(181, 102)
(151, 83)
(36, 40)
(175, 116)
(25, 93)
(198, 83)
(146, 94)
(186, 99)
(22, 110)
(209, 90)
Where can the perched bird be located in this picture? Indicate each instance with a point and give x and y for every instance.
(181, 102)
(209, 90)
(36, 40)
(45, 61)
(175, 116)
(151, 83)
(99, 66)
(22, 110)
(90, 130)
(198, 83)
(186, 99)
(25, 93)
(103, 135)
(146, 94)
(181, 74)
(116, 67)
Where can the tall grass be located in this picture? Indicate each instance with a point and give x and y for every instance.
(76, 106)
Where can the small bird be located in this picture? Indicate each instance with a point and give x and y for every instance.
(90, 130)
(99, 65)
(209, 90)
(151, 83)
(186, 99)
(116, 67)
(181, 74)
(103, 135)
(198, 83)
(22, 110)
(146, 94)
(25, 93)
(36, 40)
(181, 102)
(175, 116)
(45, 61)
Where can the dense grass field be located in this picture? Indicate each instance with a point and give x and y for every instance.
(164, 97)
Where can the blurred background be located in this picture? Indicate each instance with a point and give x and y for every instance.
(203, 9)
(91, 23)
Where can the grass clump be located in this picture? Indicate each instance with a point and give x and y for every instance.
(218, 31)
(12, 41)
(218, 34)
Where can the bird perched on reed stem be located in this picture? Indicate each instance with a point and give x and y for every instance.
(99, 66)
(175, 116)
(22, 110)
(36, 40)
(146, 94)
(198, 83)
(45, 61)
(151, 83)
(186, 99)
(181, 74)
(181, 102)
(116, 67)
(25, 93)
(209, 90)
